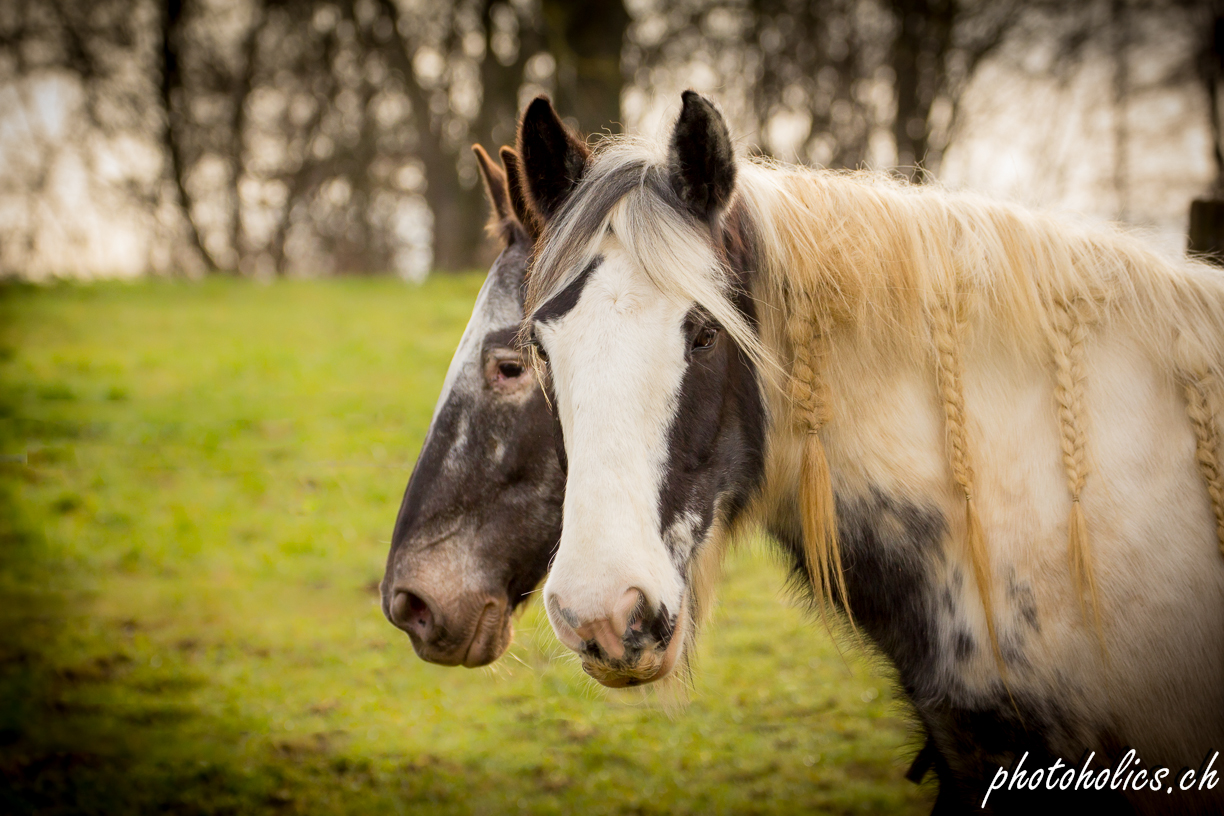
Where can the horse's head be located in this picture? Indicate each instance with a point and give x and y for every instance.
(641, 316)
(482, 513)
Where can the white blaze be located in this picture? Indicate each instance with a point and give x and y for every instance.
(617, 361)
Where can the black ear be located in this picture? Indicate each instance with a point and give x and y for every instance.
(518, 196)
(495, 186)
(701, 162)
(554, 158)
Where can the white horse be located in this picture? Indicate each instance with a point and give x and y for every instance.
(989, 437)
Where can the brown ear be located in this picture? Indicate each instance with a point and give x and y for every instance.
(495, 188)
(554, 158)
(518, 197)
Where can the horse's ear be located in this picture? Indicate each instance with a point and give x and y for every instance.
(518, 196)
(495, 188)
(554, 158)
(701, 162)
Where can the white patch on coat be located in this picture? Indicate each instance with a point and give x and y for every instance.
(681, 536)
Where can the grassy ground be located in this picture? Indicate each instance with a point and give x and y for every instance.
(197, 485)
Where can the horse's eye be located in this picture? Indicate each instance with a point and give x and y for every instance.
(510, 369)
(705, 338)
(539, 349)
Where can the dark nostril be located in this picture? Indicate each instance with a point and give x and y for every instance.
(411, 613)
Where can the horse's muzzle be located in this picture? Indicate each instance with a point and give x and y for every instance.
(472, 631)
(634, 645)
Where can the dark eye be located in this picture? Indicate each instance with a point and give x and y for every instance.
(510, 369)
(705, 338)
(539, 349)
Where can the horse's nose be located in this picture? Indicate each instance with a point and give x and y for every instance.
(412, 612)
(608, 631)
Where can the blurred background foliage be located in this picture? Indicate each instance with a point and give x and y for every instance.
(197, 480)
(307, 137)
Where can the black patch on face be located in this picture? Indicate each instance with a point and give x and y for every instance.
(716, 443)
(562, 303)
(717, 437)
(507, 508)
(499, 338)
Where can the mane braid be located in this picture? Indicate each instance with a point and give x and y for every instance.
(810, 406)
(944, 332)
(1200, 389)
(1071, 330)
(879, 259)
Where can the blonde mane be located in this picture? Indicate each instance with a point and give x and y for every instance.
(912, 268)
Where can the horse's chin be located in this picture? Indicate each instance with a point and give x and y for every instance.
(492, 637)
(489, 637)
(651, 666)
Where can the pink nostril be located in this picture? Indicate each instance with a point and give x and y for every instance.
(411, 613)
(608, 632)
(602, 633)
(623, 614)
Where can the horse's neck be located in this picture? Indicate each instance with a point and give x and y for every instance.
(899, 510)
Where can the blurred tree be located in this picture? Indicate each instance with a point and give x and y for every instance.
(830, 77)
(823, 61)
(78, 101)
(314, 134)
(1210, 63)
(937, 46)
(586, 40)
(302, 127)
(1206, 233)
(286, 136)
(204, 100)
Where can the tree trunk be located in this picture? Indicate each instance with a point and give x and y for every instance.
(1207, 215)
(1207, 229)
(499, 85)
(242, 91)
(1211, 70)
(924, 36)
(586, 40)
(1120, 20)
(458, 214)
(909, 127)
(171, 87)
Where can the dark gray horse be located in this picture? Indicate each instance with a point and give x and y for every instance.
(481, 516)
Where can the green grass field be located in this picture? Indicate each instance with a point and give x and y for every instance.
(197, 487)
